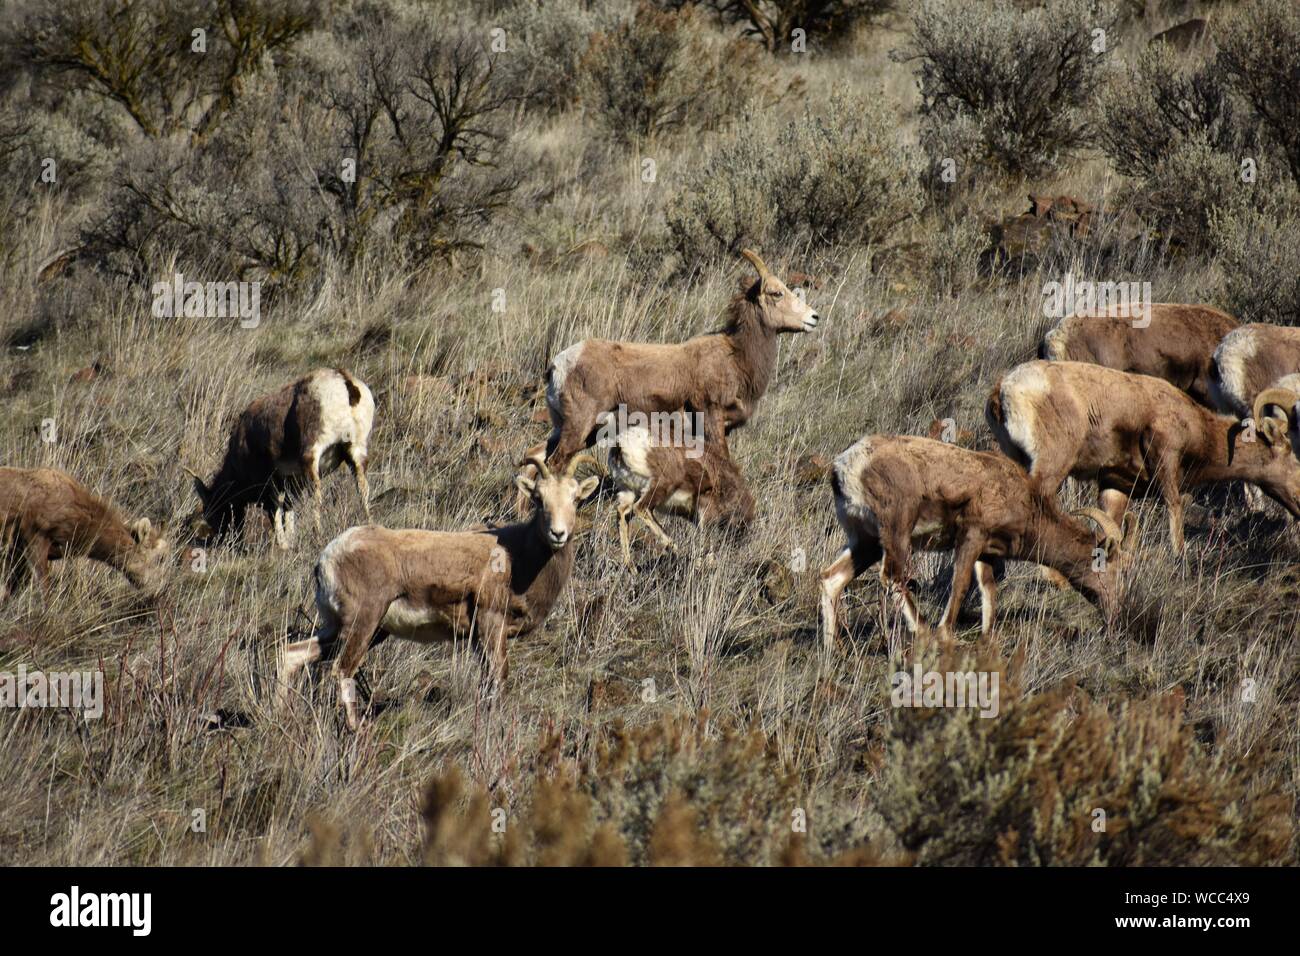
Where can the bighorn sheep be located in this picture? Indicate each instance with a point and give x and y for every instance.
(721, 375)
(1250, 359)
(1062, 419)
(1285, 395)
(896, 493)
(677, 470)
(490, 585)
(46, 515)
(286, 441)
(1178, 345)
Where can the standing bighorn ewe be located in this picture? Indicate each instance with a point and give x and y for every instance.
(1178, 345)
(699, 481)
(286, 442)
(426, 586)
(721, 375)
(897, 493)
(1128, 432)
(46, 515)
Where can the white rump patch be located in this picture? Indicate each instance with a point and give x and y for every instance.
(561, 366)
(1233, 358)
(342, 423)
(1023, 389)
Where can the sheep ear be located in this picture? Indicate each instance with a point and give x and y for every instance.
(141, 530)
(587, 488)
(525, 484)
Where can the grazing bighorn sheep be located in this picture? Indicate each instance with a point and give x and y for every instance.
(655, 472)
(1062, 419)
(1285, 395)
(490, 585)
(286, 441)
(1178, 345)
(721, 375)
(46, 515)
(896, 493)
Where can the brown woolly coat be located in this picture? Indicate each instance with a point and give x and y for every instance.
(1178, 346)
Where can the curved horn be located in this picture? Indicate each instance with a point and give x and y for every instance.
(572, 468)
(757, 263)
(1103, 521)
(1282, 397)
(538, 460)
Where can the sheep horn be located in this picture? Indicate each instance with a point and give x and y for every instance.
(763, 272)
(537, 460)
(1282, 397)
(572, 468)
(1109, 528)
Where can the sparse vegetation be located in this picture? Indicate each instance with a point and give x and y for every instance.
(440, 216)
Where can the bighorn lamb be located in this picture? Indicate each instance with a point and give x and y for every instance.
(1127, 431)
(896, 493)
(696, 478)
(286, 441)
(490, 585)
(1178, 345)
(721, 375)
(46, 515)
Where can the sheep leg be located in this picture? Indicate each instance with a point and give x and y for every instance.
(897, 544)
(277, 525)
(835, 577)
(490, 642)
(625, 501)
(986, 580)
(311, 468)
(651, 522)
(296, 656)
(357, 462)
(358, 629)
(964, 559)
(1170, 478)
(572, 438)
(37, 553)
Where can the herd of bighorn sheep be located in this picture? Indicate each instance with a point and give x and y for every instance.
(1184, 397)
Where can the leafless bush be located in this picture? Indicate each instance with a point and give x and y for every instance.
(1260, 260)
(1020, 78)
(1163, 100)
(545, 46)
(389, 132)
(147, 59)
(662, 71)
(1259, 51)
(838, 177)
(773, 22)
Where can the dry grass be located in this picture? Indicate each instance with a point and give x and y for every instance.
(749, 727)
